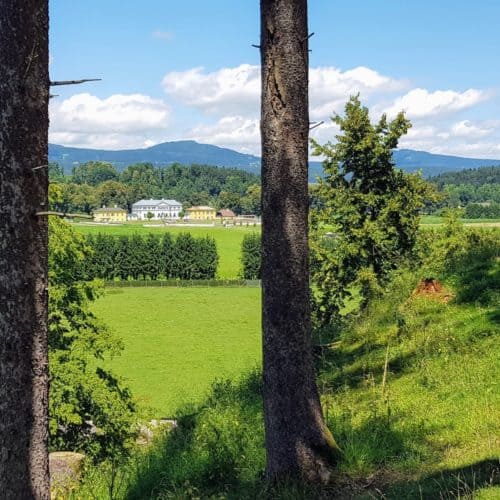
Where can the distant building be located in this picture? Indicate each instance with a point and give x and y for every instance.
(201, 213)
(115, 214)
(226, 215)
(160, 209)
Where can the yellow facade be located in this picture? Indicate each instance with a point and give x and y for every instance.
(110, 215)
(201, 213)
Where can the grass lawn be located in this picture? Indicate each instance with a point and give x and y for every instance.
(228, 240)
(435, 219)
(179, 340)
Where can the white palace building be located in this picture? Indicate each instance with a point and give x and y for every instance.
(160, 209)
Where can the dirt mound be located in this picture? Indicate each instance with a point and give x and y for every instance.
(432, 288)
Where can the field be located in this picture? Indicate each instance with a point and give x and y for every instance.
(228, 240)
(436, 219)
(177, 341)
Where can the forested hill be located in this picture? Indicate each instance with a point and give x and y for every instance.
(183, 152)
(190, 152)
(471, 176)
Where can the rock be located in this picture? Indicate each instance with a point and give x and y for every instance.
(65, 471)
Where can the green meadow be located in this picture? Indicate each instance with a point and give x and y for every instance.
(178, 341)
(228, 240)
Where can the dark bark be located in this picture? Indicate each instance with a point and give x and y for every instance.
(298, 443)
(24, 93)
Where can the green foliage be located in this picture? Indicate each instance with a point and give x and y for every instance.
(251, 256)
(366, 214)
(228, 240)
(94, 184)
(151, 257)
(478, 190)
(89, 408)
(94, 173)
(482, 211)
(466, 257)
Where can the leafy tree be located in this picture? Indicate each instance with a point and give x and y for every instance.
(250, 203)
(56, 173)
(89, 408)
(111, 193)
(251, 256)
(94, 173)
(228, 199)
(368, 215)
(24, 94)
(298, 443)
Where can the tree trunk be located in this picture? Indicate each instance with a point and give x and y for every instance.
(298, 443)
(24, 93)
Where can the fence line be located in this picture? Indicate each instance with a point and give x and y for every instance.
(183, 283)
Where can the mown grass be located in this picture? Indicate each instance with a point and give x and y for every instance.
(228, 240)
(177, 341)
(436, 219)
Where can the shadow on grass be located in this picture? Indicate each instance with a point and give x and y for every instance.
(450, 484)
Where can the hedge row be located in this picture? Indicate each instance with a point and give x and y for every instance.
(251, 256)
(151, 257)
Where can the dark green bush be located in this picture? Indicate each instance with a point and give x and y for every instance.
(251, 256)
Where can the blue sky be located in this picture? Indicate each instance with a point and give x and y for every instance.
(186, 70)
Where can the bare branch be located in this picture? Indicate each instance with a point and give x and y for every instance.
(316, 124)
(62, 214)
(256, 46)
(73, 82)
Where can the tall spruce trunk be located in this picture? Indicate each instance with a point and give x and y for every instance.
(298, 443)
(24, 93)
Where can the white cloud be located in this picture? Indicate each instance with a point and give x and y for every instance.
(229, 99)
(236, 91)
(235, 132)
(419, 103)
(118, 121)
(162, 35)
(232, 91)
(466, 129)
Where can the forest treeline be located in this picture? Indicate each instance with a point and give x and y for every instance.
(96, 184)
(476, 190)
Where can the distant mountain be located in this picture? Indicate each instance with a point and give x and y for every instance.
(188, 152)
(184, 152)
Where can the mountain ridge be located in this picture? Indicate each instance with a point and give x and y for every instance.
(188, 152)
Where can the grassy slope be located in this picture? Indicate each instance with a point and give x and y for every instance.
(179, 340)
(228, 240)
(430, 432)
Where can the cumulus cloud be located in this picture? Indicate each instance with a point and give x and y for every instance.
(226, 91)
(235, 132)
(227, 104)
(115, 122)
(419, 103)
(236, 90)
(465, 128)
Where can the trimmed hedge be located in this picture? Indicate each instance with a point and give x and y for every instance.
(151, 257)
(251, 256)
